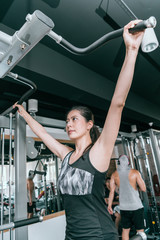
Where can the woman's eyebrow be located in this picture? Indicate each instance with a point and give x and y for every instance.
(71, 117)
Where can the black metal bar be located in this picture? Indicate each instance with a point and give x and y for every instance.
(21, 223)
(28, 221)
(107, 37)
(40, 173)
(25, 96)
(151, 22)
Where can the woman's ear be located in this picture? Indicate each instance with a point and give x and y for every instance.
(90, 125)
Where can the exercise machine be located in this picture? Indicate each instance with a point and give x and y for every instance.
(37, 25)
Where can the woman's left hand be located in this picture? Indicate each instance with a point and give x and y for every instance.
(132, 40)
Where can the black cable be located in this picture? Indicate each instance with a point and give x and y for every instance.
(25, 96)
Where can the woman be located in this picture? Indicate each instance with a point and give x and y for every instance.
(83, 170)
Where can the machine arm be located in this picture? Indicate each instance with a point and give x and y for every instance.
(14, 48)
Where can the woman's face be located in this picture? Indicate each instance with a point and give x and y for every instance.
(76, 125)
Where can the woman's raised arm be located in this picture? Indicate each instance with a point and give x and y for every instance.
(100, 153)
(56, 147)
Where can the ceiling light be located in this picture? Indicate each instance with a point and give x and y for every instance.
(150, 42)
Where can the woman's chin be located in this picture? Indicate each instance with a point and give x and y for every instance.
(72, 137)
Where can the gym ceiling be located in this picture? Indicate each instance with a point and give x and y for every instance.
(64, 79)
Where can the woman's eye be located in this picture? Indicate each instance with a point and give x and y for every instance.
(74, 118)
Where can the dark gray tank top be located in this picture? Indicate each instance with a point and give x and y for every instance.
(82, 190)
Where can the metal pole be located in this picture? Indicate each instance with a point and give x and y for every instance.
(10, 163)
(58, 195)
(130, 154)
(138, 164)
(154, 202)
(155, 152)
(46, 195)
(140, 169)
(146, 161)
(20, 176)
(124, 145)
(2, 166)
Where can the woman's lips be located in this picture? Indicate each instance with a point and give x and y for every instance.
(71, 131)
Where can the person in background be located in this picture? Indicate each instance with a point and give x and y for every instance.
(115, 203)
(129, 182)
(107, 192)
(31, 199)
(83, 169)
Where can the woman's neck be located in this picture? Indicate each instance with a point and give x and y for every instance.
(82, 145)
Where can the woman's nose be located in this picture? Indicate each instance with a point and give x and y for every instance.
(68, 124)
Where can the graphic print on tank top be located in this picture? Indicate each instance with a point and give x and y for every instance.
(74, 181)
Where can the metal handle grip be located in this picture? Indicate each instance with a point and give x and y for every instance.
(151, 22)
(27, 221)
(21, 223)
(25, 96)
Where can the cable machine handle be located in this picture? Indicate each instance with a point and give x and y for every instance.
(28, 221)
(25, 96)
(21, 223)
(149, 23)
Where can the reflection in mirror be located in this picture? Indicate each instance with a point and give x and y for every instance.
(45, 168)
